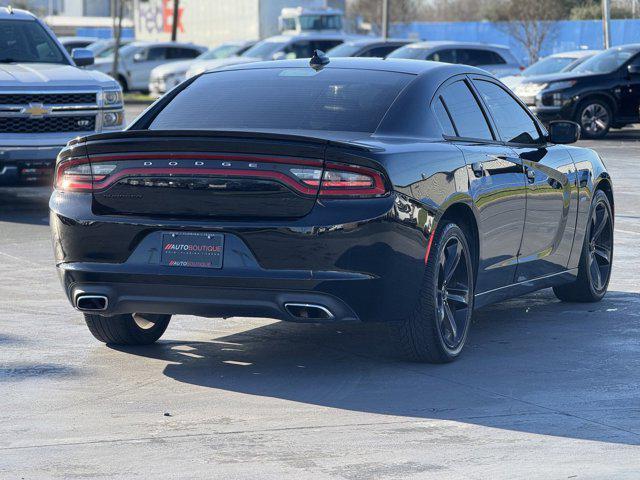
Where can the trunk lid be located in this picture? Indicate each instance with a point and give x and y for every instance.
(205, 174)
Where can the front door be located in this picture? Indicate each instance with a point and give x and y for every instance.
(551, 192)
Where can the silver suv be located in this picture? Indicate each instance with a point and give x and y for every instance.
(45, 99)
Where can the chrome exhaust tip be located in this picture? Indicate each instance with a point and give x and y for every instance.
(308, 311)
(92, 303)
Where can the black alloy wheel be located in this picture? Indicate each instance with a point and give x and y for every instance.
(452, 295)
(437, 330)
(595, 118)
(594, 271)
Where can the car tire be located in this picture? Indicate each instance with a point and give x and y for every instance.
(123, 83)
(595, 118)
(427, 335)
(127, 329)
(593, 278)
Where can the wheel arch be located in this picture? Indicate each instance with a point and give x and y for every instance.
(463, 214)
(598, 96)
(604, 184)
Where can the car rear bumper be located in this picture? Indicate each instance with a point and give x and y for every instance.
(367, 265)
(27, 165)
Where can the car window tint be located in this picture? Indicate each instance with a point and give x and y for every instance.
(325, 45)
(156, 53)
(443, 118)
(284, 98)
(474, 57)
(179, 52)
(447, 56)
(513, 123)
(467, 116)
(381, 51)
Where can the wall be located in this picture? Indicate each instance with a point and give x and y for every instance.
(205, 22)
(566, 35)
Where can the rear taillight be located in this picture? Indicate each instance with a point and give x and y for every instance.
(307, 177)
(339, 180)
(78, 175)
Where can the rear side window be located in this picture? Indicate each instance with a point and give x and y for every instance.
(468, 119)
(447, 56)
(443, 118)
(381, 51)
(476, 57)
(513, 123)
(284, 98)
(180, 52)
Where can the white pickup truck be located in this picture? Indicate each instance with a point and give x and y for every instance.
(45, 99)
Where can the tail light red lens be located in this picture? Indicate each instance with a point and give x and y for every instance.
(339, 180)
(78, 175)
(306, 177)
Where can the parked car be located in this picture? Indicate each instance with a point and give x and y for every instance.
(558, 62)
(496, 59)
(167, 76)
(358, 189)
(45, 99)
(105, 48)
(601, 93)
(279, 47)
(69, 43)
(367, 47)
(137, 59)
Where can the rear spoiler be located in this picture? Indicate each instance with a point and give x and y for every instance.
(230, 134)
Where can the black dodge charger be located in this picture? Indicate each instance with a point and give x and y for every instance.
(375, 190)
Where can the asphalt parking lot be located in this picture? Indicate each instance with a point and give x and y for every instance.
(544, 390)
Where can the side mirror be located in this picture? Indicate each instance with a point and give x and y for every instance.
(563, 131)
(138, 57)
(279, 56)
(633, 69)
(82, 57)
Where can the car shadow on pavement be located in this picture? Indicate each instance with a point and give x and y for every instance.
(27, 205)
(532, 365)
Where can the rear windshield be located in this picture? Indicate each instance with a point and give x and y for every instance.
(289, 98)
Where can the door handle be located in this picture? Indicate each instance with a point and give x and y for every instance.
(478, 169)
(531, 174)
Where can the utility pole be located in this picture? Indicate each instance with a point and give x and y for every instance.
(176, 19)
(606, 23)
(385, 19)
(117, 27)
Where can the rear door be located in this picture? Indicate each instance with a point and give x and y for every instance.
(551, 184)
(496, 181)
(141, 70)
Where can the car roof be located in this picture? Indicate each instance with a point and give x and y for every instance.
(446, 43)
(139, 43)
(7, 13)
(399, 65)
(574, 54)
(77, 39)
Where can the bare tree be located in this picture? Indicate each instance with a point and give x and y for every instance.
(371, 11)
(529, 22)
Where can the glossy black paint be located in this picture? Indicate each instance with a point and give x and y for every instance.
(525, 207)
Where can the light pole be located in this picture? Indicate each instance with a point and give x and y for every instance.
(385, 19)
(606, 23)
(176, 17)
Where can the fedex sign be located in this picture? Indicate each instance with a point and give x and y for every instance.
(156, 16)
